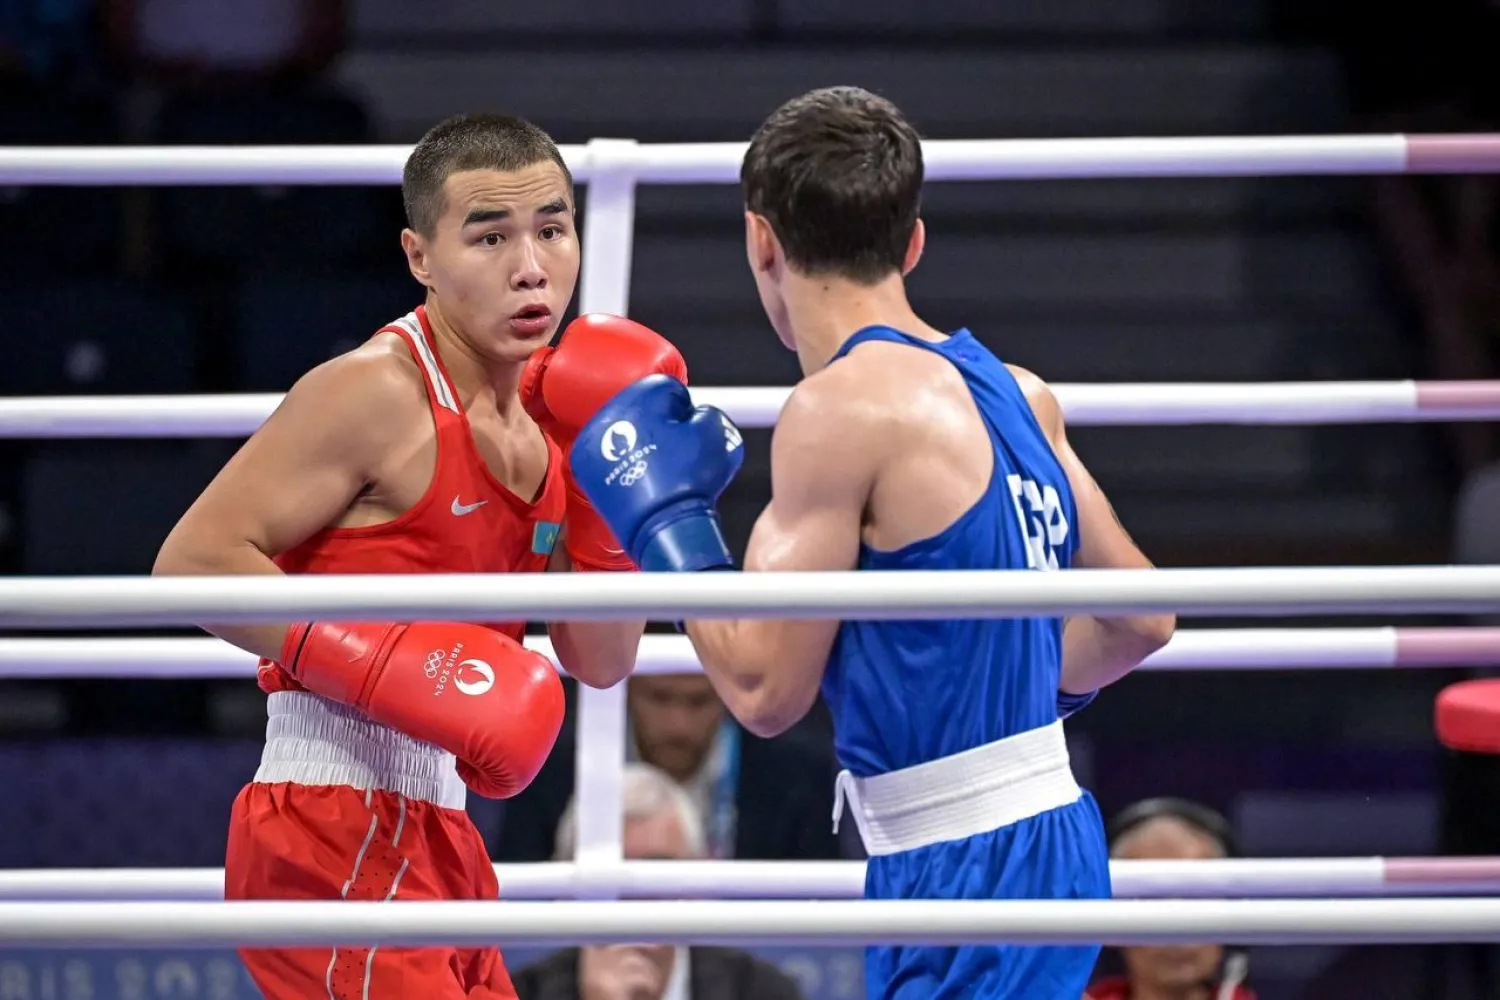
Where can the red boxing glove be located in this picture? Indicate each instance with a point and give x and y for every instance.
(563, 387)
(483, 697)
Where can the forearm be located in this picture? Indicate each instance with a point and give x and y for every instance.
(176, 559)
(725, 650)
(756, 675)
(1099, 651)
(599, 654)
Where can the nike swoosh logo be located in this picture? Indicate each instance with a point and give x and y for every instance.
(460, 509)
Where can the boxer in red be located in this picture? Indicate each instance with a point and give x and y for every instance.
(436, 447)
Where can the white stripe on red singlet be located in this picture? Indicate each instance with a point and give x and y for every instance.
(413, 326)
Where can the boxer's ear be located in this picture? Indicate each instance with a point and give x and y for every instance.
(761, 245)
(415, 248)
(914, 248)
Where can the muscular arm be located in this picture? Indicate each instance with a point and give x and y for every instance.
(297, 474)
(1096, 651)
(599, 654)
(767, 672)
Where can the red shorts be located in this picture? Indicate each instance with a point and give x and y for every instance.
(291, 841)
(335, 841)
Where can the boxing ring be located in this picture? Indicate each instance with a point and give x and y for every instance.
(1331, 900)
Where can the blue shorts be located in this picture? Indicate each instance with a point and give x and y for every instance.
(1060, 854)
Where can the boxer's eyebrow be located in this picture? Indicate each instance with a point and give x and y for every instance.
(557, 206)
(477, 215)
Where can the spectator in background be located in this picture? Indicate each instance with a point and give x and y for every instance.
(760, 799)
(225, 44)
(661, 823)
(1174, 829)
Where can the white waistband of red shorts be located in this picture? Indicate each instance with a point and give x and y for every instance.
(313, 741)
(968, 793)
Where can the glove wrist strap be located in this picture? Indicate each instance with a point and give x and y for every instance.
(686, 545)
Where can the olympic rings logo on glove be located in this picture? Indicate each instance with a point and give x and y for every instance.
(434, 663)
(633, 474)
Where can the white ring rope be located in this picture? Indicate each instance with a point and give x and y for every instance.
(719, 163)
(1084, 404)
(1189, 649)
(78, 602)
(612, 168)
(747, 923)
(1236, 877)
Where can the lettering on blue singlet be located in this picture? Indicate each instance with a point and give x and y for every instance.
(1039, 515)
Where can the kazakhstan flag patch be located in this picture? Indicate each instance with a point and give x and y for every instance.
(544, 537)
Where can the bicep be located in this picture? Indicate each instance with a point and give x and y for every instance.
(795, 538)
(820, 479)
(819, 485)
(768, 670)
(297, 474)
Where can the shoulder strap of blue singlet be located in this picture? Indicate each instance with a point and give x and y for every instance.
(888, 334)
(952, 348)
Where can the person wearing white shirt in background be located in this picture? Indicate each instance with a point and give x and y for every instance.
(661, 823)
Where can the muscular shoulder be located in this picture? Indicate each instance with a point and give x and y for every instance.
(840, 409)
(1042, 399)
(370, 394)
(829, 438)
(839, 392)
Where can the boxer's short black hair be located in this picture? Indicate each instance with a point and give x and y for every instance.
(469, 142)
(837, 173)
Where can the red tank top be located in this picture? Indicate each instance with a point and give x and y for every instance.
(466, 522)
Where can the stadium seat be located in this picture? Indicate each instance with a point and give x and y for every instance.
(307, 227)
(76, 496)
(289, 323)
(101, 335)
(55, 230)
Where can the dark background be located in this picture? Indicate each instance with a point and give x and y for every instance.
(241, 289)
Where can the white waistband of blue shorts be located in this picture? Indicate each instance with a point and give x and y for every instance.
(959, 796)
(313, 741)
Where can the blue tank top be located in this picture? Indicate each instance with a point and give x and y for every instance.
(905, 692)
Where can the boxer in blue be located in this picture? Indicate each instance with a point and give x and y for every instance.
(902, 448)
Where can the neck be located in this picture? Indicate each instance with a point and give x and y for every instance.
(474, 375)
(824, 312)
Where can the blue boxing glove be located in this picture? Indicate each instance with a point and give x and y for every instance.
(653, 466)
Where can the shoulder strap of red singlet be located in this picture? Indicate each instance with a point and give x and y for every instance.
(413, 329)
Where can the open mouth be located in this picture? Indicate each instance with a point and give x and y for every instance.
(533, 313)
